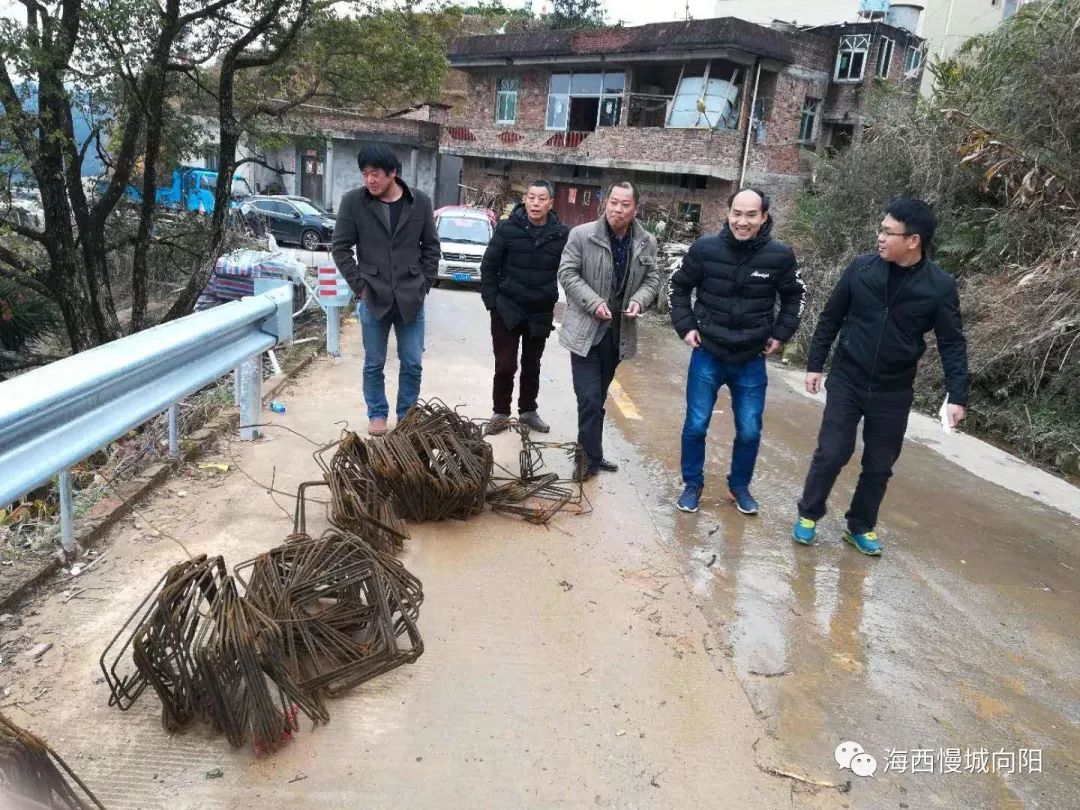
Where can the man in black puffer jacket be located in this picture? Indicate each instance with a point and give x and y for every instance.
(738, 275)
(881, 307)
(519, 285)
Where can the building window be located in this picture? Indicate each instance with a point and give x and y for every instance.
(884, 58)
(582, 102)
(506, 101)
(913, 61)
(693, 182)
(851, 59)
(1010, 8)
(690, 212)
(210, 158)
(808, 120)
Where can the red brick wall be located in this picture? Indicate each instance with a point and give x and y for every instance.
(479, 107)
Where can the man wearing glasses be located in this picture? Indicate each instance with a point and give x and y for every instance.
(881, 307)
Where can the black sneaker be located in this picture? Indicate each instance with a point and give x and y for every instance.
(532, 420)
(607, 466)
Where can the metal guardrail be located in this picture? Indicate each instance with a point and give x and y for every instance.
(55, 416)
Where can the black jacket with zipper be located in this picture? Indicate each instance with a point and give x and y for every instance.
(388, 269)
(519, 275)
(737, 285)
(881, 341)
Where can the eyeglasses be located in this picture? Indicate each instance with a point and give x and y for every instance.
(887, 232)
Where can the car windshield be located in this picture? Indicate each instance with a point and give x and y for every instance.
(240, 187)
(307, 209)
(465, 229)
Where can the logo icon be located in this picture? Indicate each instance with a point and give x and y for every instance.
(850, 755)
(756, 274)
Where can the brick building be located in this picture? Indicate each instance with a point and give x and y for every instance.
(688, 110)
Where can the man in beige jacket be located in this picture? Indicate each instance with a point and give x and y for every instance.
(609, 273)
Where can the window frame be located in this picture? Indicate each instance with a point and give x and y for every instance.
(812, 115)
(853, 44)
(887, 66)
(501, 94)
(913, 69)
(570, 94)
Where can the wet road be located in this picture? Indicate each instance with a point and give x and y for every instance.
(633, 657)
(961, 637)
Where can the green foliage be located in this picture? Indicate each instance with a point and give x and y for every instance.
(25, 317)
(576, 14)
(997, 152)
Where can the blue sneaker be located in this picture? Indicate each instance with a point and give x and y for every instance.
(688, 501)
(866, 542)
(744, 501)
(805, 531)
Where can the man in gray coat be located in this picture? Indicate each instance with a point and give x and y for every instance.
(609, 273)
(396, 260)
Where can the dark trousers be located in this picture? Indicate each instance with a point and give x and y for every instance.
(592, 378)
(506, 343)
(884, 416)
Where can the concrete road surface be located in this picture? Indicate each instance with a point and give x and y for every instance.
(632, 657)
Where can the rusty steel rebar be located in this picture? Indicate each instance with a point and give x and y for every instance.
(32, 775)
(208, 654)
(346, 616)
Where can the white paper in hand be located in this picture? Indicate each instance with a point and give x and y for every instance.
(944, 414)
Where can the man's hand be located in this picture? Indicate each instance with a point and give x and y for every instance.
(813, 382)
(772, 346)
(956, 414)
(633, 310)
(693, 339)
(602, 312)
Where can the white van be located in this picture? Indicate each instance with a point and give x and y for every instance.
(464, 234)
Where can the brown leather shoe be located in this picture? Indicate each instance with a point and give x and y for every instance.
(377, 427)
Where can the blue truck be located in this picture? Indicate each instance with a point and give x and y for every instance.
(192, 189)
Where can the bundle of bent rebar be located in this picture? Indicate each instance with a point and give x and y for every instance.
(435, 465)
(209, 654)
(32, 775)
(316, 617)
(347, 614)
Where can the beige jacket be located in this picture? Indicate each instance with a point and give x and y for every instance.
(585, 274)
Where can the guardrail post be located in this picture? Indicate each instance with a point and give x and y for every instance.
(250, 397)
(335, 294)
(174, 430)
(333, 331)
(67, 513)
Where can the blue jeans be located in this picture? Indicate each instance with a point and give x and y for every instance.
(747, 383)
(410, 350)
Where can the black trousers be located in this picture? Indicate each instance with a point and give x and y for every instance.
(884, 416)
(506, 343)
(592, 378)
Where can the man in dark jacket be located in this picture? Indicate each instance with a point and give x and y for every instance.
(519, 284)
(396, 260)
(738, 274)
(881, 307)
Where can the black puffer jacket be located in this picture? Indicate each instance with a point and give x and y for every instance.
(737, 286)
(520, 271)
(881, 341)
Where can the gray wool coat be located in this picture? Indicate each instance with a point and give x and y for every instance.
(387, 267)
(585, 273)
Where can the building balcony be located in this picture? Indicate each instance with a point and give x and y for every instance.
(713, 152)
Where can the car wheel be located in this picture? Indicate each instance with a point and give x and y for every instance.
(310, 240)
